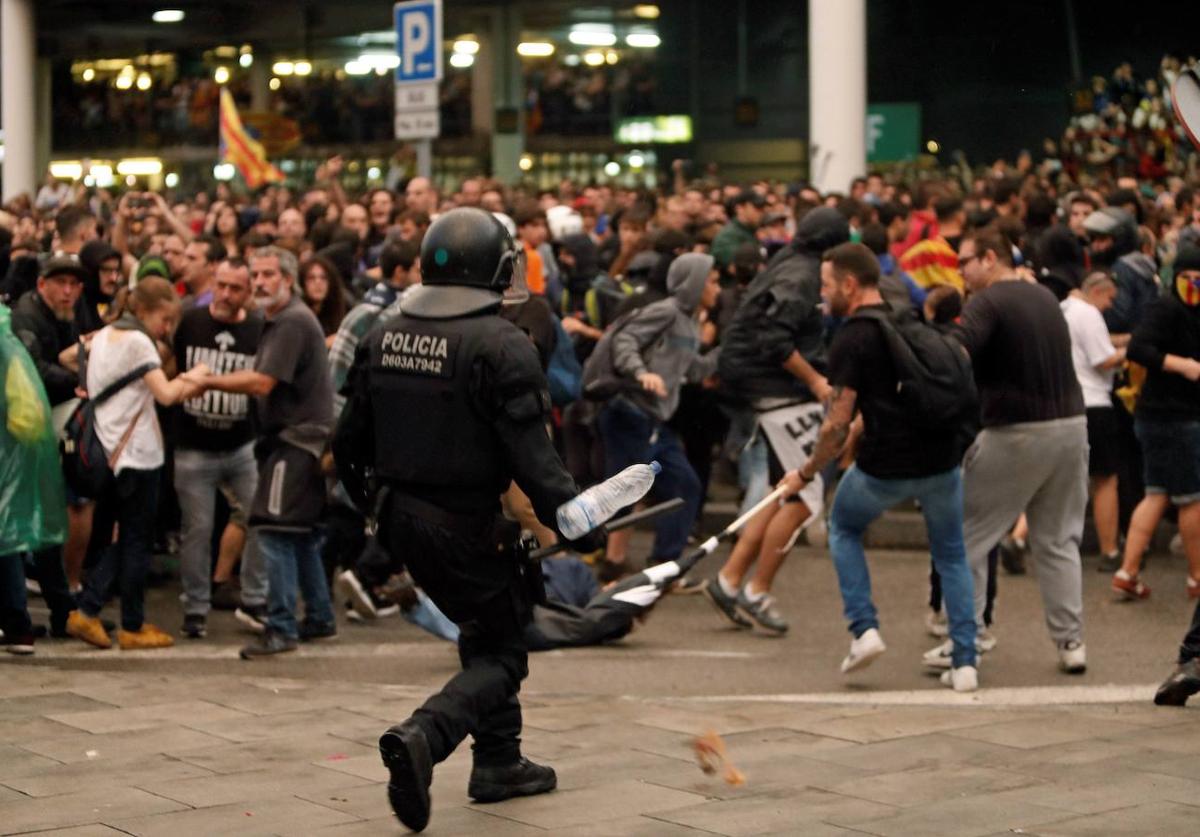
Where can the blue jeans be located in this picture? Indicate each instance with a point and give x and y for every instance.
(860, 499)
(132, 503)
(293, 561)
(630, 436)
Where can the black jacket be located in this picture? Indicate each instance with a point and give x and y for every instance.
(44, 337)
(1168, 327)
(779, 314)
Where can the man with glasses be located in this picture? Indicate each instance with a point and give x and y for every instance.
(1032, 453)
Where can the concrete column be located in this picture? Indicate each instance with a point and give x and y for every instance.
(483, 87)
(18, 93)
(260, 83)
(42, 151)
(837, 92)
(507, 148)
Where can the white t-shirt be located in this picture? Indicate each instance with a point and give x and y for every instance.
(116, 352)
(1090, 346)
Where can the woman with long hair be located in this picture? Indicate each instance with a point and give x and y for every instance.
(322, 291)
(128, 429)
(223, 223)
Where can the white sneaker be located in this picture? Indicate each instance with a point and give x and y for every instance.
(863, 651)
(985, 640)
(348, 589)
(936, 624)
(961, 679)
(1072, 657)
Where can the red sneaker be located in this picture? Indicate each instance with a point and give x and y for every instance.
(1130, 588)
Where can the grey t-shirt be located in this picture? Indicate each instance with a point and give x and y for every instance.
(292, 351)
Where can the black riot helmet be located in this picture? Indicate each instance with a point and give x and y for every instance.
(468, 263)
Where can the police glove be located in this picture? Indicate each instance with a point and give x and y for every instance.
(593, 541)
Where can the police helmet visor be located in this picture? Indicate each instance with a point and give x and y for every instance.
(1185, 93)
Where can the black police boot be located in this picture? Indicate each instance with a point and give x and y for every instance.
(1181, 685)
(521, 778)
(405, 752)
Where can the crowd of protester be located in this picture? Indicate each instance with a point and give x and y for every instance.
(719, 319)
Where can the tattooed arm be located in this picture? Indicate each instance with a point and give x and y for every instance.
(835, 430)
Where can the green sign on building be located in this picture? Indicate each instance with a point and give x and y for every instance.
(893, 132)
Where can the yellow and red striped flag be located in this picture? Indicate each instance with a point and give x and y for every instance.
(241, 149)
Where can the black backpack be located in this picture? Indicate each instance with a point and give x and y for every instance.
(85, 462)
(935, 382)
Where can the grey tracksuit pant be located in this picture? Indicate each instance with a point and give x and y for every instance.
(1040, 468)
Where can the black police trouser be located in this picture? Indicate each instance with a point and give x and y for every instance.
(477, 586)
(1190, 649)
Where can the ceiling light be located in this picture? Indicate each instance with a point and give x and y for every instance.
(592, 36)
(143, 81)
(245, 59)
(611, 57)
(302, 68)
(274, 83)
(89, 74)
(636, 161)
(140, 166)
(167, 16)
(283, 68)
(612, 168)
(467, 46)
(66, 170)
(643, 40)
(378, 60)
(646, 11)
(373, 173)
(593, 59)
(172, 180)
(102, 175)
(571, 60)
(224, 171)
(462, 60)
(221, 75)
(356, 68)
(535, 49)
(525, 163)
(124, 82)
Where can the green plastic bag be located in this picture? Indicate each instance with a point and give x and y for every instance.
(33, 503)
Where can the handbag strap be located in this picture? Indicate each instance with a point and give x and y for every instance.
(112, 460)
(122, 382)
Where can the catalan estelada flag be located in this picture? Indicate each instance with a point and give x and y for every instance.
(241, 149)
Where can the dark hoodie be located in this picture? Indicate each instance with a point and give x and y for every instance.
(780, 314)
(87, 310)
(1133, 271)
(1168, 327)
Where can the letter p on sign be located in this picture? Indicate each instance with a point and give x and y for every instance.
(418, 40)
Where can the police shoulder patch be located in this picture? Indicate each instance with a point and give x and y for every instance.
(406, 351)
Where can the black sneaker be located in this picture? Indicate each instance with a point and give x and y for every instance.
(20, 645)
(194, 626)
(762, 612)
(317, 630)
(271, 642)
(725, 605)
(521, 778)
(405, 753)
(1012, 556)
(253, 617)
(226, 595)
(1181, 685)
(1109, 563)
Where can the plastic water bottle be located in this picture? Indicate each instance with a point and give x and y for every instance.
(599, 503)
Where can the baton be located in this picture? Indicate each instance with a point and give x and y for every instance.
(625, 522)
(709, 546)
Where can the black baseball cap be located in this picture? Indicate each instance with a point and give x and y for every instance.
(61, 263)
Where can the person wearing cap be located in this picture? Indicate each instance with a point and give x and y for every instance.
(747, 208)
(44, 321)
(1113, 245)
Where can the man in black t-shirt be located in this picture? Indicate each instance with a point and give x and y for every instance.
(1032, 454)
(897, 460)
(214, 445)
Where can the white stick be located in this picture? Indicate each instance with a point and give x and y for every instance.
(775, 496)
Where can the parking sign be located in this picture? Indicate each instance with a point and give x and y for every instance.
(419, 41)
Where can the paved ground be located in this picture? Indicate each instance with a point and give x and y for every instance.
(194, 741)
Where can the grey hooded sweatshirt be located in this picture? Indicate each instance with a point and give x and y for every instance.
(664, 338)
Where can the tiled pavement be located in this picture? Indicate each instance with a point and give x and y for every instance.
(105, 753)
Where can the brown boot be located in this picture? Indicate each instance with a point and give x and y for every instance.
(148, 637)
(89, 629)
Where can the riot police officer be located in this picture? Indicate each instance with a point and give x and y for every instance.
(447, 405)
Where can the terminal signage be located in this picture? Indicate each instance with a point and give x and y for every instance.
(893, 132)
(419, 48)
(644, 130)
